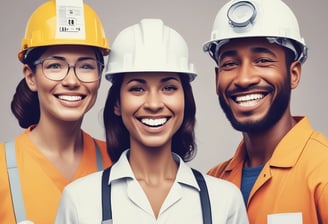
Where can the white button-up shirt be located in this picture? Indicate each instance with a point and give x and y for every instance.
(81, 200)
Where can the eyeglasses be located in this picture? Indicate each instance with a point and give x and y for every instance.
(57, 68)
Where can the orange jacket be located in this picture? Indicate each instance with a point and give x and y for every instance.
(294, 182)
(41, 182)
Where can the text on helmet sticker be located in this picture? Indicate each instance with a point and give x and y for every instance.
(70, 19)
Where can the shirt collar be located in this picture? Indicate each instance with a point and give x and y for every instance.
(287, 151)
(122, 169)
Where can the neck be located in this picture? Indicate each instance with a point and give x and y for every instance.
(260, 146)
(152, 165)
(58, 137)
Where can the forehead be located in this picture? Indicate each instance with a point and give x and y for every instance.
(69, 50)
(151, 76)
(250, 44)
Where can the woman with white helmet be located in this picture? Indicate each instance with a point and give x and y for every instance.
(149, 119)
(281, 163)
(62, 60)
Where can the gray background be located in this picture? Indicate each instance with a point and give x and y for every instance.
(193, 19)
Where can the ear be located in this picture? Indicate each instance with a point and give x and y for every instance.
(117, 108)
(30, 78)
(217, 79)
(295, 74)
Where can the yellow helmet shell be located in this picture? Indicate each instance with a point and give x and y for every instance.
(41, 30)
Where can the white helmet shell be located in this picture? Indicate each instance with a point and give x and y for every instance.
(272, 19)
(149, 46)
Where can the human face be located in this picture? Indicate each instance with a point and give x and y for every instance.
(152, 108)
(67, 99)
(253, 84)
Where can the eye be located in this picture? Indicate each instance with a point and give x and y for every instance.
(264, 61)
(228, 65)
(137, 89)
(170, 88)
(53, 65)
(87, 65)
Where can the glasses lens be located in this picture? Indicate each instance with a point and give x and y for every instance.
(54, 69)
(87, 70)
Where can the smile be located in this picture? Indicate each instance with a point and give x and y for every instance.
(70, 98)
(154, 122)
(249, 100)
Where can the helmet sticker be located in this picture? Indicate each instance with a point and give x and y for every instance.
(70, 19)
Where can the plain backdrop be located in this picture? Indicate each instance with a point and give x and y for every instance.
(193, 19)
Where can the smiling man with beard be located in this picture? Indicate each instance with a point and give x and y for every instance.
(281, 163)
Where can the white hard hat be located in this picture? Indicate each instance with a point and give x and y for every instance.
(149, 46)
(272, 19)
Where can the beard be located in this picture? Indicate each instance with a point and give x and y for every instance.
(276, 111)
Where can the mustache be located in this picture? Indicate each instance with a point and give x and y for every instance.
(238, 89)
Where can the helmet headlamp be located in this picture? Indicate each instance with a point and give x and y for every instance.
(241, 14)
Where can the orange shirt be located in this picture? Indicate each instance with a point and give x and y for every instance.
(41, 182)
(293, 183)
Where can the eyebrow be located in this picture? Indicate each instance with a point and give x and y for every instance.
(166, 79)
(169, 78)
(231, 53)
(64, 59)
(263, 50)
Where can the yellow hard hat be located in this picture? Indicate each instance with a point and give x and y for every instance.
(46, 28)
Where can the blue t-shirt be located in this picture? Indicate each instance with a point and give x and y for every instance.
(248, 179)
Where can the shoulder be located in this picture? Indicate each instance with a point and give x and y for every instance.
(85, 182)
(91, 143)
(218, 170)
(3, 165)
(227, 198)
(221, 186)
(91, 140)
(320, 139)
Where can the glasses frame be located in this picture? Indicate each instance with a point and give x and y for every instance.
(100, 67)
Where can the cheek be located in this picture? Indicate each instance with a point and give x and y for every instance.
(221, 83)
(94, 87)
(177, 104)
(129, 105)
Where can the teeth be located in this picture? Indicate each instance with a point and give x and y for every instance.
(153, 122)
(249, 97)
(70, 98)
(249, 100)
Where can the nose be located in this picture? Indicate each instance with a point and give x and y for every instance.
(154, 102)
(246, 76)
(71, 78)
